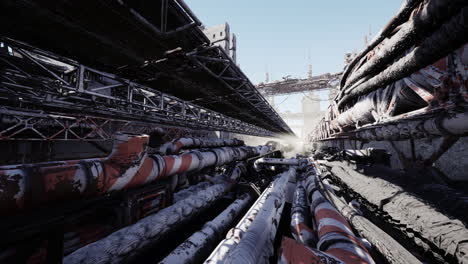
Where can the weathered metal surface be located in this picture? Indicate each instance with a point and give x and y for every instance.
(40, 79)
(422, 219)
(336, 236)
(202, 242)
(256, 244)
(302, 225)
(130, 241)
(128, 166)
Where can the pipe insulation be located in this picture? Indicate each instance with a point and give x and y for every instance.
(175, 146)
(448, 124)
(402, 16)
(391, 250)
(423, 223)
(203, 241)
(447, 38)
(234, 236)
(128, 166)
(182, 194)
(336, 237)
(130, 241)
(301, 224)
(423, 21)
(256, 245)
(289, 162)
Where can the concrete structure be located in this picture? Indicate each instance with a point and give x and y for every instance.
(220, 35)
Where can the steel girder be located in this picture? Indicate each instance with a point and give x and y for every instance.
(37, 79)
(213, 58)
(290, 86)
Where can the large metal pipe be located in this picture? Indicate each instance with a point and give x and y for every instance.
(256, 246)
(289, 162)
(302, 226)
(234, 236)
(128, 166)
(203, 241)
(175, 146)
(423, 21)
(452, 124)
(129, 242)
(403, 14)
(447, 38)
(432, 228)
(336, 237)
(391, 250)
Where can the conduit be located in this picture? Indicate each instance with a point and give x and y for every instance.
(128, 166)
(447, 38)
(451, 124)
(203, 241)
(273, 161)
(423, 21)
(234, 236)
(430, 226)
(391, 250)
(256, 244)
(336, 237)
(175, 146)
(300, 218)
(131, 241)
(402, 16)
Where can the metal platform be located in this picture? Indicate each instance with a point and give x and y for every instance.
(158, 44)
(31, 79)
(291, 86)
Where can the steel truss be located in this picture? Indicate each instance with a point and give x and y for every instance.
(36, 79)
(291, 86)
(17, 124)
(214, 58)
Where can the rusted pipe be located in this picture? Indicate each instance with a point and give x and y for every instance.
(127, 243)
(336, 237)
(256, 246)
(302, 226)
(128, 166)
(253, 243)
(390, 249)
(402, 16)
(447, 38)
(175, 146)
(423, 21)
(203, 241)
(433, 228)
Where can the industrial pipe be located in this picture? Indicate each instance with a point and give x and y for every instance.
(423, 21)
(336, 237)
(203, 241)
(256, 245)
(391, 250)
(452, 124)
(435, 229)
(447, 38)
(182, 194)
(289, 162)
(234, 236)
(129, 242)
(175, 146)
(128, 166)
(403, 14)
(301, 224)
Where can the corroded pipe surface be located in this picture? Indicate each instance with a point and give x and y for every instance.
(129, 242)
(128, 166)
(204, 240)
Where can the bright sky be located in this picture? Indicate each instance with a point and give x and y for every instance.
(281, 35)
